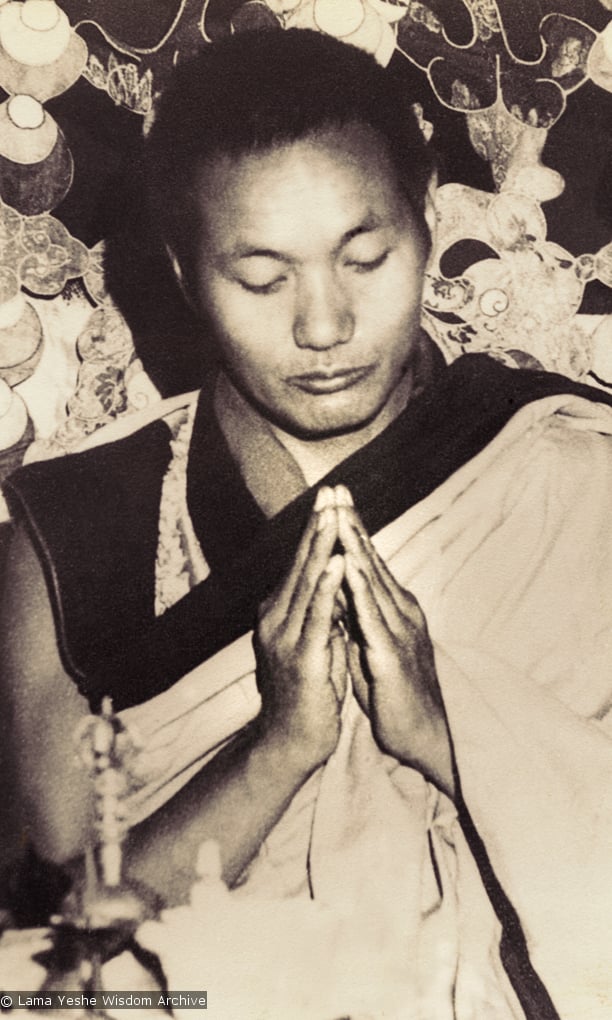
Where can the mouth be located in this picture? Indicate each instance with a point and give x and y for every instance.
(330, 382)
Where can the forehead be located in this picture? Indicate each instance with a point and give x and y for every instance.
(311, 189)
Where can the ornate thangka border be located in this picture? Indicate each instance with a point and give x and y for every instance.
(519, 104)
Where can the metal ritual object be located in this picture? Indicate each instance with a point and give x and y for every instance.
(102, 912)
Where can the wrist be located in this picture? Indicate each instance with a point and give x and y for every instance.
(432, 755)
(278, 749)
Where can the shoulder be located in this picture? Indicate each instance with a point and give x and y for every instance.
(577, 440)
(134, 446)
(87, 476)
(92, 519)
(557, 477)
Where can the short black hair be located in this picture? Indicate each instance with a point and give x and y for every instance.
(258, 90)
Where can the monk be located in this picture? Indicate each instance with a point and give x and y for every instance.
(420, 717)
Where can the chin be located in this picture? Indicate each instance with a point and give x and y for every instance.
(327, 424)
(324, 417)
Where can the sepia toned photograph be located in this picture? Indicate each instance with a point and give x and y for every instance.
(306, 509)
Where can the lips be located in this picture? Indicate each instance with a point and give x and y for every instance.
(330, 382)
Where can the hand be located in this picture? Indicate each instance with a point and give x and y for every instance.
(301, 657)
(391, 658)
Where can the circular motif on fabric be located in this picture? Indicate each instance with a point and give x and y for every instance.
(494, 302)
(34, 188)
(40, 15)
(37, 253)
(28, 135)
(13, 304)
(35, 32)
(49, 79)
(337, 19)
(25, 112)
(21, 346)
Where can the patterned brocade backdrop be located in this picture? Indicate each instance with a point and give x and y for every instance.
(517, 94)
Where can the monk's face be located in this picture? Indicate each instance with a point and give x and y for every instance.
(311, 269)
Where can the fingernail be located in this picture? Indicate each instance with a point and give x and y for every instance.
(343, 496)
(325, 498)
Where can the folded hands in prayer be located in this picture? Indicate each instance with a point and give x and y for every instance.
(339, 615)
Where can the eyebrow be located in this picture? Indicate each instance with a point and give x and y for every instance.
(245, 252)
(369, 224)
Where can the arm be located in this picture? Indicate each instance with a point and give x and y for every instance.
(40, 708)
(237, 797)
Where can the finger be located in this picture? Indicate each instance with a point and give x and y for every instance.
(355, 539)
(281, 598)
(358, 545)
(370, 617)
(324, 500)
(353, 530)
(320, 554)
(351, 517)
(343, 496)
(319, 614)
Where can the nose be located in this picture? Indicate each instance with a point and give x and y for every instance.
(323, 315)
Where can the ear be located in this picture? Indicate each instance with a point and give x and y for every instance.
(429, 209)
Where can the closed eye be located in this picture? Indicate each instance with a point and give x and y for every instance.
(263, 288)
(370, 265)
